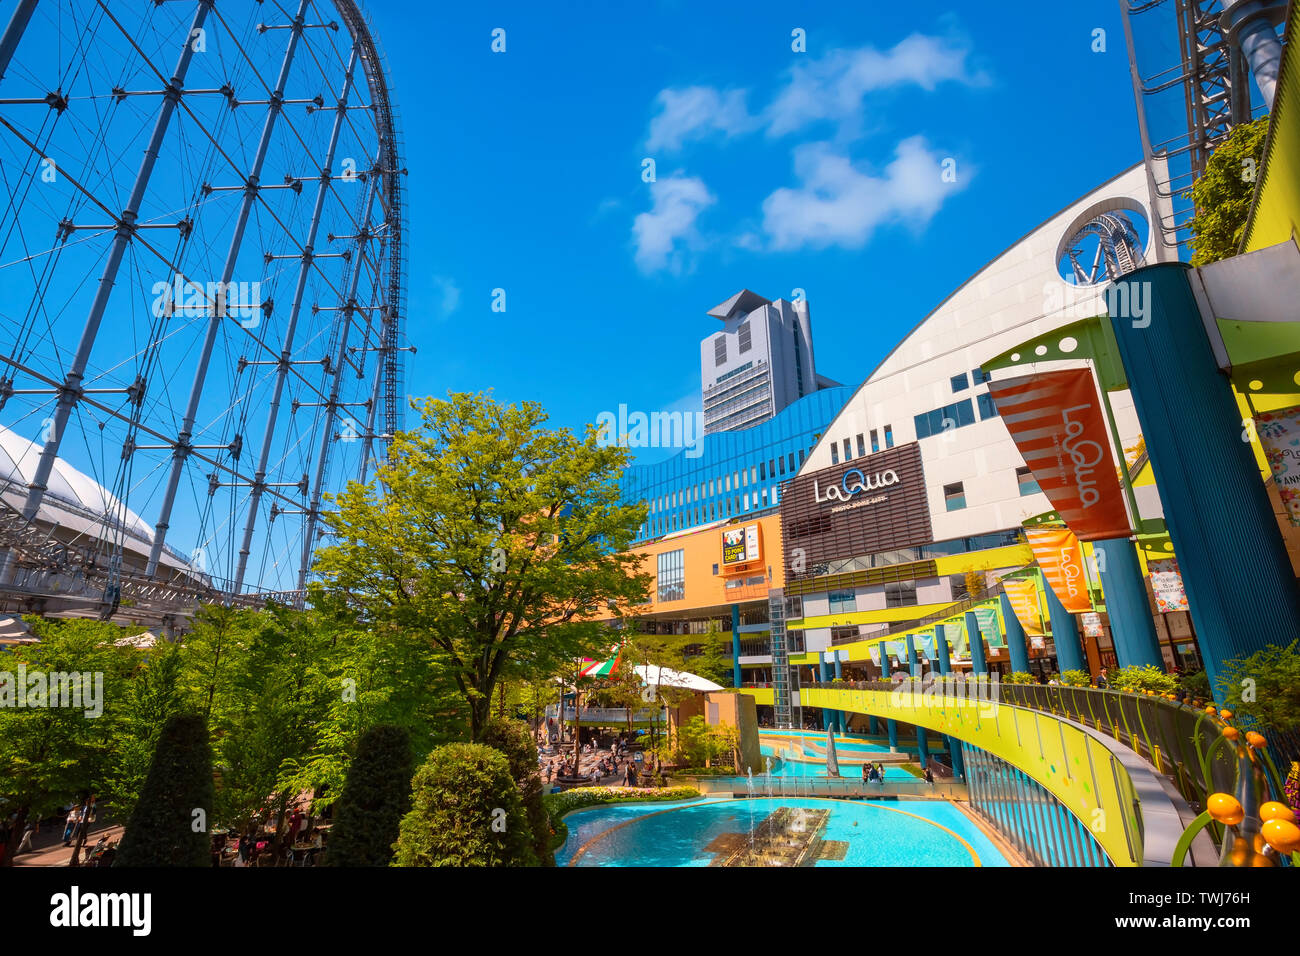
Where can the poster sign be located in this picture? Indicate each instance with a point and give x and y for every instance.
(1167, 583)
(740, 545)
(1091, 624)
(1057, 422)
(1279, 433)
(1059, 554)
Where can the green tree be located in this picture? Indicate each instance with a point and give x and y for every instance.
(466, 811)
(515, 740)
(53, 755)
(1224, 192)
(498, 540)
(151, 696)
(377, 794)
(169, 826)
(1264, 687)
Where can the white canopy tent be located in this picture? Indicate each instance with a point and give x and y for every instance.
(657, 676)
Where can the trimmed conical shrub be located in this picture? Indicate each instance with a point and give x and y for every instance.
(376, 795)
(465, 811)
(515, 740)
(169, 825)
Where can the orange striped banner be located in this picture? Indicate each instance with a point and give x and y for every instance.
(1059, 427)
(1058, 553)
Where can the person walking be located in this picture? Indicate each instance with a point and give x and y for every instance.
(74, 817)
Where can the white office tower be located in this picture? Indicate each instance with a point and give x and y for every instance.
(759, 363)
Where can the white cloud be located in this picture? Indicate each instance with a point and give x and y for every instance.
(678, 201)
(833, 86)
(839, 204)
(695, 112)
(449, 295)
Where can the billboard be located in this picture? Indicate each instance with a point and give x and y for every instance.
(1059, 427)
(741, 545)
(871, 504)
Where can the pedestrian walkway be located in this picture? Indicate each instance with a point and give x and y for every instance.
(48, 848)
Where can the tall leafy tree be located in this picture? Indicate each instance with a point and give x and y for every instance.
(1224, 192)
(498, 540)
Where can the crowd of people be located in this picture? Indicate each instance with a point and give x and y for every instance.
(599, 762)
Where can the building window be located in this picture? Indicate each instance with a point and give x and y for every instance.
(848, 450)
(979, 376)
(960, 589)
(801, 459)
(954, 496)
(900, 594)
(672, 575)
(781, 461)
(1028, 484)
(889, 436)
(720, 350)
(835, 453)
(875, 442)
(987, 408)
(743, 335)
(862, 446)
(843, 601)
(762, 471)
(793, 608)
(957, 415)
(792, 460)
(959, 383)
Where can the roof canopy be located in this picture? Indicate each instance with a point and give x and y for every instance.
(743, 301)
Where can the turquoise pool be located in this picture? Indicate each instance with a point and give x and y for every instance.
(813, 764)
(878, 832)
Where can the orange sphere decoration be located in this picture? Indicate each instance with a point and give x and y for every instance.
(1273, 810)
(1240, 852)
(1256, 740)
(1210, 709)
(1259, 859)
(1225, 808)
(1281, 835)
(1231, 733)
(1226, 714)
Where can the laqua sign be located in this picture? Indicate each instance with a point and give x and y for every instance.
(854, 482)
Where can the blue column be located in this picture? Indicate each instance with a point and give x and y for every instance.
(1065, 634)
(735, 645)
(884, 662)
(1131, 627)
(978, 662)
(945, 667)
(841, 718)
(1016, 648)
(922, 747)
(913, 664)
(873, 726)
(893, 736)
(941, 648)
(824, 676)
(1241, 590)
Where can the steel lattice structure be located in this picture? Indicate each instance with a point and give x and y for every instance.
(1192, 86)
(202, 273)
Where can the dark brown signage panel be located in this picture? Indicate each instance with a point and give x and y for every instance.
(859, 507)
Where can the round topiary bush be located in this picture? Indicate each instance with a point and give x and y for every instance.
(465, 811)
(165, 828)
(515, 741)
(376, 794)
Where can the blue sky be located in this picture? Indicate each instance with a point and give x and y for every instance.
(775, 170)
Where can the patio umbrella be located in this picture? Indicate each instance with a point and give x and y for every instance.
(666, 677)
(592, 668)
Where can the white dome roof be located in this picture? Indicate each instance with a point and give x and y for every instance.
(72, 499)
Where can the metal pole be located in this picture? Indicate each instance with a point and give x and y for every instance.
(14, 32)
(182, 450)
(282, 369)
(71, 389)
(331, 405)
